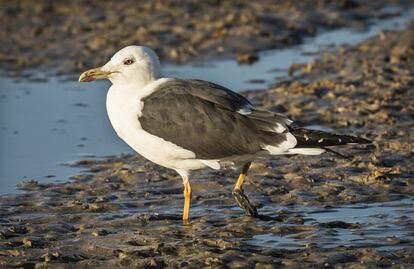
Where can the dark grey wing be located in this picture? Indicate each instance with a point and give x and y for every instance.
(209, 120)
(204, 90)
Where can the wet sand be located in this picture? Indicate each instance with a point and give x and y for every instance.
(315, 212)
(126, 212)
(69, 36)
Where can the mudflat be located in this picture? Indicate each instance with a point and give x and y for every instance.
(126, 211)
(316, 212)
(69, 36)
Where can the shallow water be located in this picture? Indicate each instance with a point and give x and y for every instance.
(273, 64)
(384, 226)
(49, 122)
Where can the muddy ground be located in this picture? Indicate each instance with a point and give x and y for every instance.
(125, 212)
(69, 36)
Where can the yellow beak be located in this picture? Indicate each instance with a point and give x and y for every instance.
(94, 74)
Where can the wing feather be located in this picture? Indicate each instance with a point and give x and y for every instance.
(202, 117)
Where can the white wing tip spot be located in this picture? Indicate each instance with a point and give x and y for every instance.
(288, 121)
(244, 111)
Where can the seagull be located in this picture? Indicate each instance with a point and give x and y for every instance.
(189, 124)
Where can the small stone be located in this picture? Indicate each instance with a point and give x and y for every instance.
(27, 243)
(247, 58)
(100, 233)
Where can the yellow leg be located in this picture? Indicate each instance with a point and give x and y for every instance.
(187, 201)
(242, 176)
(239, 195)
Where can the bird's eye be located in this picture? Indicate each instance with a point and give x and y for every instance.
(128, 61)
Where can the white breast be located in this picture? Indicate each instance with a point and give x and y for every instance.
(124, 105)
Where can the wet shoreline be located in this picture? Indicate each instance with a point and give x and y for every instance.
(211, 29)
(78, 127)
(316, 211)
(126, 211)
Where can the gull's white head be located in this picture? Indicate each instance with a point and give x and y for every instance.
(135, 65)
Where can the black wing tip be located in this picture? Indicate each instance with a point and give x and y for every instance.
(312, 138)
(361, 140)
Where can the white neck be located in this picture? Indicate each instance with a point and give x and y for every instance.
(123, 102)
(137, 90)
